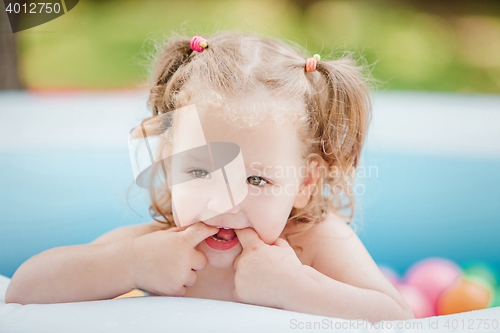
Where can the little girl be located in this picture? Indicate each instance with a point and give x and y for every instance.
(258, 230)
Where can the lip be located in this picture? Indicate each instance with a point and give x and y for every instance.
(216, 245)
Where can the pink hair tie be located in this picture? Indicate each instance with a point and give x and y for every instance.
(198, 43)
(311, 63)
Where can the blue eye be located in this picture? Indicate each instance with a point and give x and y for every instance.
(256, 180)
(200, 174)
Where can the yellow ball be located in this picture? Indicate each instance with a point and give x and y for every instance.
(132, 293)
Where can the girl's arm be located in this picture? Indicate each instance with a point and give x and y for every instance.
(74, 273)
(344, 281)
(114, 264)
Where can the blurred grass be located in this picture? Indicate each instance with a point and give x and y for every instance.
(101, 44)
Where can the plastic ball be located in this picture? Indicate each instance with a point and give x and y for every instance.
(390, 274)
(495, 299)
(417, 301)
(481, 273)
(132, 293)
(432, 276)
(466, 295)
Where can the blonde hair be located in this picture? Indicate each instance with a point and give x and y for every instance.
(335, 102)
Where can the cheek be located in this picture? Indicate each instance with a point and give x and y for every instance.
(190, 203)
(199, 200)
(268, 212)
(187, 204)
(181, 203)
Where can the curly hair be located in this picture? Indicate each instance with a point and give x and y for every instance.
(335, 103)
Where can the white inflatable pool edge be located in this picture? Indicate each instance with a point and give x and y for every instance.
(178, 314)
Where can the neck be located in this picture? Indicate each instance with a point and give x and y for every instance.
(213, 283)
(217, 273)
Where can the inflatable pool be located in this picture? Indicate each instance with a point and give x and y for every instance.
(177, 314)
(429, 189)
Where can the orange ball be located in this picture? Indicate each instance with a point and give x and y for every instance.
(466, 295)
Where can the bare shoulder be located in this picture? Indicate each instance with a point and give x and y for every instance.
(308, 243)
(332, 226)
(335, 250)
(340, 255)
(338, 251)
(131, 231)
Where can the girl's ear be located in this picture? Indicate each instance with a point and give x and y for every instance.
(309, 185)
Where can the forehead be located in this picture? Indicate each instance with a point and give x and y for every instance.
(266, 141)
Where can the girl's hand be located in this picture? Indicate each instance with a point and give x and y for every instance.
(265, 274)
(164, 262)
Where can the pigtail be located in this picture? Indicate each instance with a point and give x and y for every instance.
(343, 123)
(348, 112)
(339, 110)
(165, 83)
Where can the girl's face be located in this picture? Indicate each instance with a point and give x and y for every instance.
(262, 190)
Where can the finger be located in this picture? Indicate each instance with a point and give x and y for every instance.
(198, 261)
(235, 295)
(176, 229)
(180, 292)
(191, 279)
(198, 232)
(236, 260)
(281, 243)
(248, 237)
(180, 228)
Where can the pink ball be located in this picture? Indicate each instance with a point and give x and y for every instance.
(417, 301)
(432, 276)
(390, 274)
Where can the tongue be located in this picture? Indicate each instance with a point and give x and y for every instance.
(226, 234)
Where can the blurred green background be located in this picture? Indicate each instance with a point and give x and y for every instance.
(408, 45)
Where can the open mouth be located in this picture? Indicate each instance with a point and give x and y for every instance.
(224, 235)
(225, 239)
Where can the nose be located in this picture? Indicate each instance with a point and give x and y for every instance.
(220, 205)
